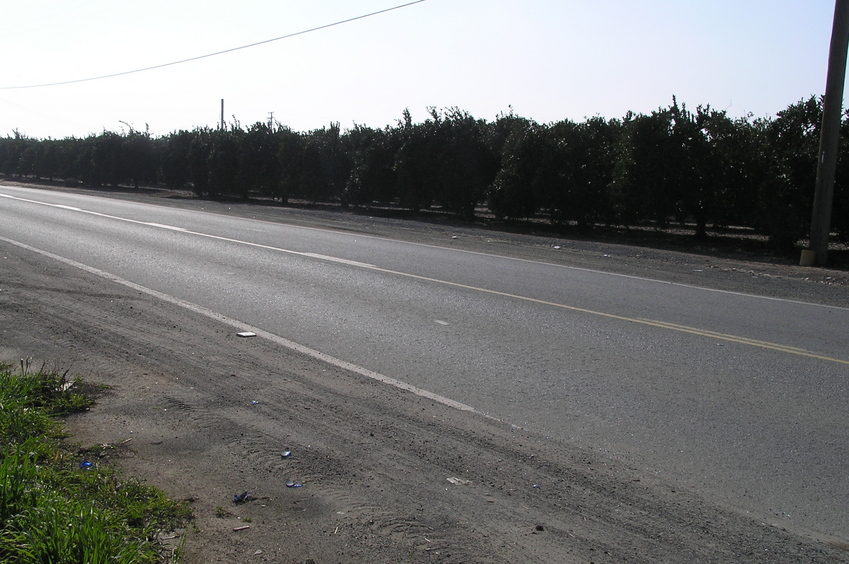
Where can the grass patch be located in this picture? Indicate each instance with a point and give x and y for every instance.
(54, 507)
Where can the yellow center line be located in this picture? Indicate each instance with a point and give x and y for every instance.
(748, 341)
(642, 321)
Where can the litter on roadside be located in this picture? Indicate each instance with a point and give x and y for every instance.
(246, 334)
(458, 481)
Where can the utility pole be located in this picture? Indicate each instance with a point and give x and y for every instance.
(270, 120)
(817, 251)
(222, 113)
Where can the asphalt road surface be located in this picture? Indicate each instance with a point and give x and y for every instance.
(740, 397)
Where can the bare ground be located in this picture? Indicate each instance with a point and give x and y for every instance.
(385, 476)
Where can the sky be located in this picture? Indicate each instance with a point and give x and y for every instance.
(546, 60)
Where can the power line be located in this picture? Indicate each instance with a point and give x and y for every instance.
(208, 55)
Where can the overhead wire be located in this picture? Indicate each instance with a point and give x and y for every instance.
(215, 54)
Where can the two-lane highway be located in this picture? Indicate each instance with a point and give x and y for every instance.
(741, 397)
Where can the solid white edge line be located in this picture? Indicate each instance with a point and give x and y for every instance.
(242, 326)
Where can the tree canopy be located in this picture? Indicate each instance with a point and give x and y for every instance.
(673, 165)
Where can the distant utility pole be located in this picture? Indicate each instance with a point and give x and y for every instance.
(817, 251)
(222, 113)
(270, 120)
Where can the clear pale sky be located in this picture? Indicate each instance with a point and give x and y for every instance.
(548, 59)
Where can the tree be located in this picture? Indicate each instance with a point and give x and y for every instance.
(223, 162)
(640, 186)
(47, 159)
(200, 149)
(465, 162)
(551, 159)
(510, 195)
(259, 161)
(289, 154)
(660, 171)
(175, 159)
(372, 154)
(693, 168)
(786, 193)
(580, 157)
(138, 160)
(737, 167)
(324, 165)
(417, 162)
(106, 159)
(12, 154)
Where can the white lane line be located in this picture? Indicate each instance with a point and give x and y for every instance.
(244, 327)
(162, 226)
(197, 233)
(339, 260)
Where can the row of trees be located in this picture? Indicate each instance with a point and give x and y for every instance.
(672, 165)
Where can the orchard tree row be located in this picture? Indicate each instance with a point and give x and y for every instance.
(673, 165)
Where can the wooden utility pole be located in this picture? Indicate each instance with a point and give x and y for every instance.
(817, 251)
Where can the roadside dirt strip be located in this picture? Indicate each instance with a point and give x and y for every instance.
(373, 474)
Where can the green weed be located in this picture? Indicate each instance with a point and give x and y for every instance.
(52, 509)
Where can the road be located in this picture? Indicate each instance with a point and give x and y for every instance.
(738, 397)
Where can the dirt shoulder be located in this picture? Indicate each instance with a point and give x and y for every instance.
(385, 476)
